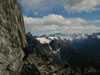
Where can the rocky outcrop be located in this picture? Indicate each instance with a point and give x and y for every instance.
(35, 65)
(12, 37)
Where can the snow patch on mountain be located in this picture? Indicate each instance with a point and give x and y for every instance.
(70, 37)
(52, 38)
(66, 38)
(98, 36)
(57, 51)
(43, 40)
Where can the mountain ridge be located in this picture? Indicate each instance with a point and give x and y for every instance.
(55, 48)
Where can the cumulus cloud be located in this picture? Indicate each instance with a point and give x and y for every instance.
(96, 21)
(39, 6)
(81, 29)
(45, 6)
(81, 5)
(58, 23)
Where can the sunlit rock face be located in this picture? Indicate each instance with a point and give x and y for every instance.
(12, 37)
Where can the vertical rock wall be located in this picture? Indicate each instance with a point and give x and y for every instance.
(12, 37)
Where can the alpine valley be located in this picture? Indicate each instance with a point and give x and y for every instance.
(77, 52)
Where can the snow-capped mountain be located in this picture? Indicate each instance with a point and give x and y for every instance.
(55, 48)
(83, 43)
(45, 39)
(72, 37)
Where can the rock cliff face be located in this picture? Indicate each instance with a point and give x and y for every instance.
(12, 38)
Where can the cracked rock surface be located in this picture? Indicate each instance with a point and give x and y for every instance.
(12, 37)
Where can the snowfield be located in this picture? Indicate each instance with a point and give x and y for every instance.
(43, 40)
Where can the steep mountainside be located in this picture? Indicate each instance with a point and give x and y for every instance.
(83, 43)
(54, 56)
(12, 37)
(55, 48)
(89, 46)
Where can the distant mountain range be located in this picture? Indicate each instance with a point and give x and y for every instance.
(55, 49)
(72, 37)
(83, 43)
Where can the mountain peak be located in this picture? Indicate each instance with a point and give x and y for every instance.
(29, 34)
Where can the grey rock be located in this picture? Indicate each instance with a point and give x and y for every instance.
(12, 38)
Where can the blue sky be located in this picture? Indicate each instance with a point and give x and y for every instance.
(65, 16)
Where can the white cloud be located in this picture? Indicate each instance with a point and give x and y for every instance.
(58, 23)
(29, 3)
(39, 6)
(96, 21)
(53, 19)
(81, 5)
(45, 6)
(81, 29)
